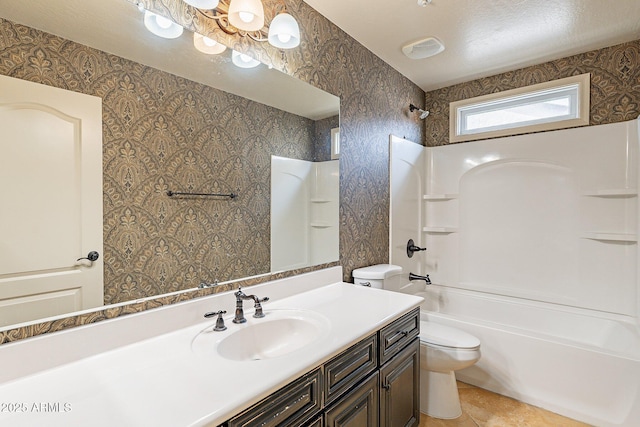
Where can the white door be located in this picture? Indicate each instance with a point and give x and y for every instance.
(50, 201)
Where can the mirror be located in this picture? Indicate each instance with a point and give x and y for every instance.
(174, 119)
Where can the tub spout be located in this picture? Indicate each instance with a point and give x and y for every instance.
(418, 277)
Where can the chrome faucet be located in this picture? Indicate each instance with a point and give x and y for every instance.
(241, 296)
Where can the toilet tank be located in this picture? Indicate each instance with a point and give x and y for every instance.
(381, 276)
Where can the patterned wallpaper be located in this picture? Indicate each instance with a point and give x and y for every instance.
(162, 132)
(140, 163)
(615, 87)
(374, 103)
(322, 138)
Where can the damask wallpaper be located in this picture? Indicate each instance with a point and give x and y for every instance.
(374, 103)
(615, 87)
(160, 133)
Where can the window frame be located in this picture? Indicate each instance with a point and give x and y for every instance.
(520, 96)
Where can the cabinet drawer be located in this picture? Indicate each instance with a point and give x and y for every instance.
(292, 405)
(397, 335)
(349, 367)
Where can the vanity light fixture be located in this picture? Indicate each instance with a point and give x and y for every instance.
(243, 61)
(203, 4)
(247, 18)
(247, 15)
(161, 26)
(206, 45)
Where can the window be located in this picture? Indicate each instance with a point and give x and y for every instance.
(556, 104)
(335, 143)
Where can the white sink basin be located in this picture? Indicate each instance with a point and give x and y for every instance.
(279, 333)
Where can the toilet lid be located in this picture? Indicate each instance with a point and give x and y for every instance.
(445, 336)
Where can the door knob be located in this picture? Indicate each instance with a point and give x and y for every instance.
(91, 256)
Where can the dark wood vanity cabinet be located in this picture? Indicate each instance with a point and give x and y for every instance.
(400, 388)
(373, 383)
(359, 408)
(291, 406)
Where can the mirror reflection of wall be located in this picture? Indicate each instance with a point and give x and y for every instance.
(164, 132)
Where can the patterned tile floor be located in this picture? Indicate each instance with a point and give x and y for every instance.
(482, 408)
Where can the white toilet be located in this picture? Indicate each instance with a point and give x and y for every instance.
(443, 349)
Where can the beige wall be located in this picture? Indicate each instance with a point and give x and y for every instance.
(162, 132)
(374, 102)
(615, 87)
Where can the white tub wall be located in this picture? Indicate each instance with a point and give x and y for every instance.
(407, 172)
(304, 210)
(290, 194)
(526, 214)
(563, 369)
(325, 198)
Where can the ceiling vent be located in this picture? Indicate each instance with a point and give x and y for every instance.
(423, 48)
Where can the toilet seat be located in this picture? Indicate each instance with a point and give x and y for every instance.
(445, 336)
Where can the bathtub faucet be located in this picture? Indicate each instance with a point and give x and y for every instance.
(418, 277)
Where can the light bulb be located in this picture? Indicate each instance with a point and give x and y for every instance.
(284, 38)
(207, 45)
(202, 4)
(161, 26)
(243, 61)
(163, 22)
(284, 32)
(246, 16)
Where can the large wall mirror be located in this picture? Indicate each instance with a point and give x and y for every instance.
(177, 120)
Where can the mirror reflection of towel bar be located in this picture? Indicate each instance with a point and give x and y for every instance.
(177, 193)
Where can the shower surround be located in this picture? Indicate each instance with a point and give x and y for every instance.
(532, 246)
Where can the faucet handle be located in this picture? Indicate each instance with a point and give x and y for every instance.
(258, 313)
(219, 322)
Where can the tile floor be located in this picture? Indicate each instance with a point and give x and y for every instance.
(482, 408)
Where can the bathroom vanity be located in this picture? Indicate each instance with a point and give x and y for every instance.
(355, 388)
(326, 353)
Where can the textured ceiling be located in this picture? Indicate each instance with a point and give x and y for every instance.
(482, 37)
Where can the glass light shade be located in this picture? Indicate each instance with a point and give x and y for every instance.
(284, 32)
(202, 4)
(247, 15)
(243, 61)
(161, 26)
(206, 45)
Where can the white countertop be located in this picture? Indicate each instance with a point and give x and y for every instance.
(160, 381)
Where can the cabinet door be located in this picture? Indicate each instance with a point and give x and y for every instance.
(400, 388)
(358, 409)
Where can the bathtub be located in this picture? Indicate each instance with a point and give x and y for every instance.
(559, 358)
(533, 246)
